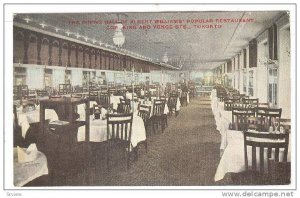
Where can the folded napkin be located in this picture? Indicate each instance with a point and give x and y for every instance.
(27, 155)
(103, 113)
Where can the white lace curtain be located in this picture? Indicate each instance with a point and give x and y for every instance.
(34, 78)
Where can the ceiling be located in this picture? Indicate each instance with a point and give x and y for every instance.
(196, 47)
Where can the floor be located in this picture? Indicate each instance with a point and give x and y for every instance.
(185, 154)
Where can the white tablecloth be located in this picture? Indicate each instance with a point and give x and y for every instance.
(115, 100)
(26, 172)
(223, 118)
(213, 94)
(24, 119)
(233, 159)
(98, 131)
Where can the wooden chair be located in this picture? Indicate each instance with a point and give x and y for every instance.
(144, 112)
(270, 147)
(112, 91)
(240, 118)
(93, 96)
(20, 91)
(158, 117)
(252, 102)
(222, 96)
(229, 103)
(119, 131)
(267, 116)
(104, 100)
(172, 103)
(174, 94)
(124, 106)
(183, 98)
(192, 90)
(64, 89)
(147, 95)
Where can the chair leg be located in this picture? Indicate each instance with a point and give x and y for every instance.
(128, 159)
(166, 117)
(153, 126)
(107, 158)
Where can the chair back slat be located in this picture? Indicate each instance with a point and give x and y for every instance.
(104, 99)
(229, 103)
(124, 105)
(267, 117)
(254, 158)
(273, 144)
(253, 102)
(277, 154)
(116, 123)
(158, 107)
(240, 118)
(144, 112)
(261, 157)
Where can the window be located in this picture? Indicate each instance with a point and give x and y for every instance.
(251, 83)
(20, 76)
(48, 78)
(85, 78)
(272, 85)
(68, 76)
(244, 81)
(266, 50)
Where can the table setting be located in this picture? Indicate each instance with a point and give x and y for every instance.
(29, 163)
(98, 128)
(27, 116)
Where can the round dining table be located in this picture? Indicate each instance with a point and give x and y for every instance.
(25, 172)
(98, 130)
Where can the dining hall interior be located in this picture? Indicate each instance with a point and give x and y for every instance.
(197, 98)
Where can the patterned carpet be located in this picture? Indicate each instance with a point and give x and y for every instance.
(186, 154)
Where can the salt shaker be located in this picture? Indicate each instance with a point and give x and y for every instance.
(271, 129)
(281, 129)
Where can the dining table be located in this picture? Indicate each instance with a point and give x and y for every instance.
(151, 104)
(222, 118)
(66, 110)
(25, 172)
(98, 130)
(30, 116)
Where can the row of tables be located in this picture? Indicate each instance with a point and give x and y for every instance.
(90, 129)
(232, 142)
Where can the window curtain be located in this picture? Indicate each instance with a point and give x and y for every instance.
(58, 77)
(119, 77)
(110, 77)
(35, 78)
(155, 77)
(76, 78)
